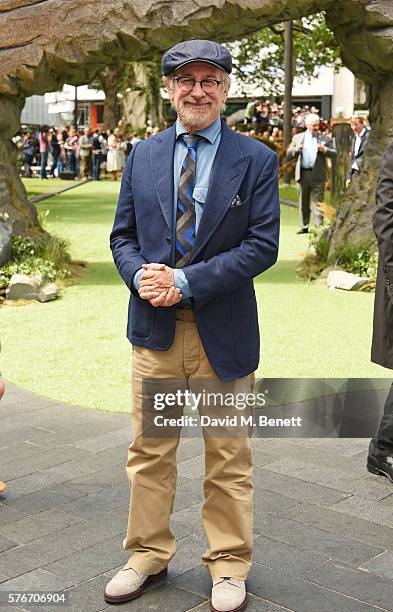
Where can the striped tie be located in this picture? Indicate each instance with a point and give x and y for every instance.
(185, 213)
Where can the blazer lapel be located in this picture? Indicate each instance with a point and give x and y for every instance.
(229, 168)
(161, 159)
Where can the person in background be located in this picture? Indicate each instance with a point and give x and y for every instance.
(3, 486)
(311, 149)
(113, 163)
(96, 150)
(44, 151)
(380, 454)
(28, 153)
(85, 147)
(54, 149)
(359, 142)
(70, 149)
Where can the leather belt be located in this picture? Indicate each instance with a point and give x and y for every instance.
(185, 314)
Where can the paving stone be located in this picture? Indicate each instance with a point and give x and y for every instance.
(39, 552)
(342, 524)
(338, 446)
(313, 539)
(163, 597)
(192, 468)
(302, 596)
(189, 554)
(192, 516)
(346, 482)
(38, 525)
(367, 587)
(97, 503)
(296, 488)
(263, 455)
(104, 477)
(270, 501)
(286, 558)
(6, 543)
(90, 562)
(52, 497)
(187, 496)
(188, 448)
(366, 509)
(9, 515)
(106, 440)
(19, 450)
(197, 580)
(37, 580)
(381, 565)
(181, 530)
(87, 596)
(41, 461)
(254, 604)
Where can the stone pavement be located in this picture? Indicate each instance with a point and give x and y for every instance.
(323, 524)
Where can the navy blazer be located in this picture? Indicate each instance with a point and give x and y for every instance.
(237, 239)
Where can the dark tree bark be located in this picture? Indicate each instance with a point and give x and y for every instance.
(110, 79)
(14, 205)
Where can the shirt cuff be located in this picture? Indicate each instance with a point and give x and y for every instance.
(181, 282)
(136, 279)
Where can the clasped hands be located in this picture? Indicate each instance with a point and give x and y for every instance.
(157, 285)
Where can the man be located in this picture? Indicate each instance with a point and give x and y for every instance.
(311, 150)
(380, 457)
(359, 141)
(44, 151)
(96, 151)
(197, 219)
(3, 486)
(85, 146)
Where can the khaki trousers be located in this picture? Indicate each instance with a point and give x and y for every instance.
(151, 470)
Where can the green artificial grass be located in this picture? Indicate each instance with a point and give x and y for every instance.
(37, 186)
(74, 349)
(291, 193)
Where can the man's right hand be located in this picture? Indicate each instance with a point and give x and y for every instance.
(157, 286)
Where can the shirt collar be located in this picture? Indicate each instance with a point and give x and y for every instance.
(361, 133)
(210, 133)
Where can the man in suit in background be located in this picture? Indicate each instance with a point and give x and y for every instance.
(197, 220)
(311, 150)
(359, 142)
(380, 457)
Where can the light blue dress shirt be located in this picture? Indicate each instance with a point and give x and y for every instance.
(309, 150)
(206, 152)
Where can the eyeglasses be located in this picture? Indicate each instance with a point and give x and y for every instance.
(188, 84)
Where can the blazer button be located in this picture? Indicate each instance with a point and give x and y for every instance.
(388, 282)
(168, 239)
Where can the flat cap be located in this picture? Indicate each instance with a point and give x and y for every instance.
(196, 51)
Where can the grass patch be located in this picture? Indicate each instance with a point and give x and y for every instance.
(75, 348)
(37, 186)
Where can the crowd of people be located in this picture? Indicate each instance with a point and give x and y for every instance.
(266, 120)
(84, 153)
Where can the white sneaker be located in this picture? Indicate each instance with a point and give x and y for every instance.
(228, 595)
(128, 584)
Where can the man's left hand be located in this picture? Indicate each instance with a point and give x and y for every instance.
(322, 148)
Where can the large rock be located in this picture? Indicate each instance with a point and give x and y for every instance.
(25, 287)
(338, 279)
(5, 242)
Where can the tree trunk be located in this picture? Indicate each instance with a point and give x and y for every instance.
(110, 79)
(14, 205)
(353, 222)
